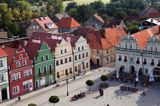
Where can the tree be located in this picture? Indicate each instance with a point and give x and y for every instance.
(54, 99)
(32, 104)
(89, 83)
(104, 77)
(54, 7)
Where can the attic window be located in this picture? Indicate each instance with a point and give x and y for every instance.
(49, 25)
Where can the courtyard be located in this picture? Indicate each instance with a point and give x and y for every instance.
(112, 95)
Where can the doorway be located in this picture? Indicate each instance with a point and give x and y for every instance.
(4, 94)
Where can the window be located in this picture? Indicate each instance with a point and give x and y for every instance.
(1, 63)
(20, 56)
(16, 90)
(146, 70)
(75, 68)
(65, 60)
(82, 47)
(44, 69)
(86, 65)
(57, 62)
(42, 58)
(70, 70)
(58, 76)
(61, 61)
(27, 73)
(66, 72)
(65, 50)
(61, 51)
(17, 64)
(78, 48)
(97, 52)
(1, 77)
(86, 54)
(15, 76)
(39, 71)
(24, 63)
(75, 57)
(50, 67)
(79, 56)
(47, 57)
(83, 55)
(27, 84)
(70, 59)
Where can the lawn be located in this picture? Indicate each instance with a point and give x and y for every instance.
(79, 2)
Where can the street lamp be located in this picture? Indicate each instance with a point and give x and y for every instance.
(67, 87)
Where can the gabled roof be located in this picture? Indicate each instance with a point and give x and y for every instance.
(114, 34)
(45, 22)
(68, 22)
(2, 53)
(150, 12)
(11, 53)
(144, 36)
(96, 41)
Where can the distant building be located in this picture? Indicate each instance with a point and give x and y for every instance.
(102, 43)
(150, 23)
(21, 74)
(68, 24)
(150, 12)
(42, 24)
(139, 54)
(4, 83)
(95, 21)
(59, 16)
(3, 34)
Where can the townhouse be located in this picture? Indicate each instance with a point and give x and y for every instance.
(21, 75)
(4, 83)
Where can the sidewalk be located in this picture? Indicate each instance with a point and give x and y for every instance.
(43, 90)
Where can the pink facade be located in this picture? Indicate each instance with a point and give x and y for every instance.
(21, 74)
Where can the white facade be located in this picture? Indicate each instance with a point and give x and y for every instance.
(4, 83)
(81, 56)
(63, 60)
(130, 58)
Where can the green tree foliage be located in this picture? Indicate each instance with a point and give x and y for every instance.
(12, 14)
(54, 7)
(32, 104)
(89, 83)
(132, 27)
(104, 77)
(54, 99)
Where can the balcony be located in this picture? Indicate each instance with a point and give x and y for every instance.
(45, 73)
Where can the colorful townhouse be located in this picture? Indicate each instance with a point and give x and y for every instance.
(71, 53)
(81, 55)
(42, 24)
(21, 74)
(4, 83)
(43, 61)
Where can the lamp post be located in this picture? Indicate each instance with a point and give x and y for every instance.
(67, 87)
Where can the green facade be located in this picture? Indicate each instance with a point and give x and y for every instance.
(44, 67)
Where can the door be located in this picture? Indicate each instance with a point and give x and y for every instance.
(4, 94)
(98, 62)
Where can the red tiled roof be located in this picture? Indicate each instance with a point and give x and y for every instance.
(68, 22)
(114, 34)
(2, 53)
(144, 36)
(32, 49)
(10, 52)
(96, 41)
(42, 21)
